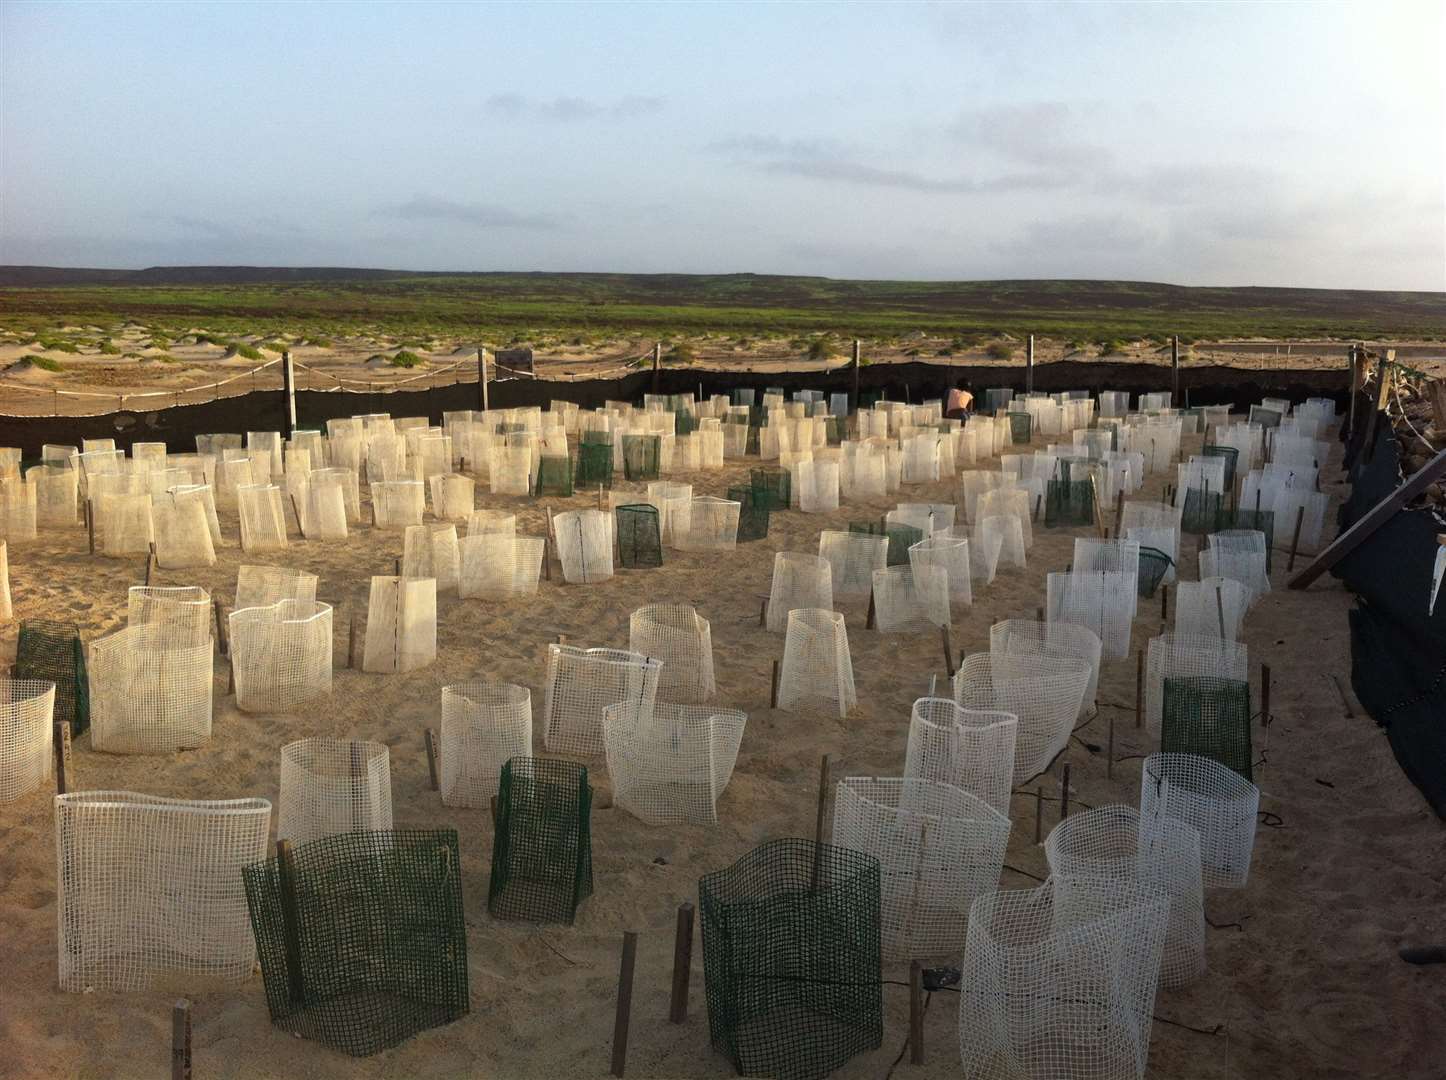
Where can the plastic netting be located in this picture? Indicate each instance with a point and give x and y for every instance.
(452, 496)
(711, 525)
(488, 522)
(150, 689)
(817, 669)
(331, 786)
(1241, 554)
(1202, 510)
(673, 503)
(27, 712)
(818, 486)
(495, 566)
(17, 509)
(1046, 640)
(182, 531)
(263, 586)
(594, 465)
(542, 850)
(753, 514)
(1154, 566)
(123, 525)
(1004, 534)
(1103, 603)
(910, 599)
(263, 517)
(772, 488)
(1013, 502)
(1060, 981)
(1019, 427)
(853, 558)
(509, 470)
(584, 546)
(149, 889)
(483, 725)
(361, 937)
(1173, 656)
(669, 765)
(1161, 853)
(1215, 801)
(1211, 607)
(1208, 717)
(1069, 503)
(184, 611)
(640, 540)
(401, 631)
(791, 947)
(397, 503)
(682, 641)
(53, 652)
(1229, 455)
(950, 554)
(641, 455)
(970, 749)
(281, 655)
(1044, 696)
(799, 581)
(901, 538)
(581, 683)
(57, 494)
(554, 475)
(432, 551)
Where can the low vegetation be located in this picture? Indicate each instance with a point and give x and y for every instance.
(999, 350)
(44, 363)
(406, 359)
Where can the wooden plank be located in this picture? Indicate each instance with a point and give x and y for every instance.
(1372, 520)
(181, 1040)
(682, 963)
(622, 1018)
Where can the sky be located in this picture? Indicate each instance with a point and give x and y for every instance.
(1289, 144)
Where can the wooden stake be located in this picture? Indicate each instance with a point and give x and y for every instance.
(1220, 610)
(150, 562)
(1038, 813)
(431, 738)
(230, 676)
(1119, 511)
(1064, 793)
(296, 509)
(1039, 614)
(773, 696)
(396, 568)
(948, 651)
(290, 922)
(1295, 538)
(1265, 694)
(682, 963)
(625, 1003)
(62, 755)
(819, 819)
(1164, 603)
(351, 640)
(181, 1040)
(763, 612)
(90, 523)
(916, 1013)
(1110, 761)
(492, 805)
(1139, 688)
(547, 558)
(223, 636)
(873, 616)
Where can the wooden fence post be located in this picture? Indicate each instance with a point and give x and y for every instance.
(682, 963)
(623, 1016)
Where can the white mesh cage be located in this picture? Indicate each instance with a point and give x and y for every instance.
(150, 888)
(1211, 607)
(57, 494)
(682, 640)
(1004, 535)
(909, 599)
(972, 749)
(231, 477)
(483, 725)
(183, 610)
(1214, 800)
(938, 847)
(1240, 555)
(489, 522)
(673, 503)
(332, 786)
(323, 507)
(344, 477)
(281, 655)
(712, 525)
(817, 484)
(928, 518)
(975, 482)
(150, 690)
(1046, 640)
(1103, 603)
(1157, 852)
(1164, 540)
(852, 559)
(670, 763)
(263, 518)
(124, 525)
(452, 496)
(432, 551)
(949, 554)
(398, 503)
(1186, 656)
(799, 581)
(182, 531)
(817, 669)
(581, 683)
(263, 586)
(401, 624)
(268, 442)
(27, 713)
(1060, 981)
(584, 546)
(1009, 501)
(510, 470)
(1044, 696)
(496, 566)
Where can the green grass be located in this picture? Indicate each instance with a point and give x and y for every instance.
(44, 363)
(406, 359)
(250, 352)
(999, 350)
(56, 345)
(109, 348)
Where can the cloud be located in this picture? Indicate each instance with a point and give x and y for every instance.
(1082, 236)
(564, 110)
(480, 215)
(1038, 134)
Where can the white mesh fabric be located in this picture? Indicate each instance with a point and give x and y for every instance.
(483, 725)
(670, 763)
(817, 669)
(150, 888)
(852, 559)
(496, 566)
(346, 479)
(1002, 534)
(27, 714)
(397, 503)
(1121, 557)
(909, 599)
(183, 610)
(920, 459)
(183, 533)
(1239, 555)
(585, 545)
(1177, 656)
(946, 553)
(1009, 501)
(1165, 541)
(488, 522)
(799, 581)
(267, 442)
(1103, 603)
(1157, 852)
(673, 503)
(712, 525)
(263, 518)
(150, 690)
(974, 483)
(332, 786)
(1214, 800)
(938, 848)
(123, 525)
(816, 486)
(581, 683)
(323, 510)
(682, 640)
(928, 518)
(971, 749)
(1211, 607)
(231, 477)
(57, 495)
(452, 496)
(1046, 640)
(263, 586)
(431, 551)
(1044, 695)
(401, 624)
(281, 655)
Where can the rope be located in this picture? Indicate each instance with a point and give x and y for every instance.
(141, 394)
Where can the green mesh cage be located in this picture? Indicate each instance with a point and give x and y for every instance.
(869, 398)
(791, 964)
(901, 538)
(1230, 455)
(511, 429)
(1019, 426)
(776, 390)
(361, 937)
(554, 475)
(542, 850)
(772, 488)
(835, 429)
(640, 540)
(1154, 565)
(1209, 717)
(752, 514)
(640, 456)
(1069, 503)
(1202, 511)
(594, 465)
(684, 422)
(754, 438)
(53, 651)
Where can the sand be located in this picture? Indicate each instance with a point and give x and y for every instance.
(1303, 977)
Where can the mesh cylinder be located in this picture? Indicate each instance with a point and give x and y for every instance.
(682, 641)
(791, 963)
(542, 850)
(712, 525)
(1215, 801)
(401, 625)
(972, 749)
(397, 503)
(150, 690)
(263, 586)
(817, 670)
(263, 518)
(1211, 607)
(183, 610)
(799, 581)
(495, 566)
(950, 554)
(852, 558)
(483, 725)
(584, 546)
(53, 652)
(581, 683)
(27, 713)
(909, 599)
(938, 848)
(1100, 602)
(1029, 637)
(669, 765)
(124, 525)
(432, 551)
(1045, 698)
(1209, 717)
(324, 511)
(1172, 656)
(331, 786)
(640, 543)
(183, 531)
(281, 655)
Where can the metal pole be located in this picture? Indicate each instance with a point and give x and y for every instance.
(482, 377)
(858, 353)
(288, 377)
(657, 358)
(1175, 370)
(1029, 365)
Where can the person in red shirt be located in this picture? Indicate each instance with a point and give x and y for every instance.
(960, 403)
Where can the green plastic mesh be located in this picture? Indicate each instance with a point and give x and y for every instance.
(1230, 455)
(542, 851)
(901, 538)
(640, 541)
(640, 456)
(361, 937)
(53, 652)
(1154, 565)
(684, 422)
(511, 429)
(754, 438)
(1202, 511)
(1209, 717)
(554, 475)
(791, 958)
(1019, 427)
(1068, 503)
(835, 429)
(780, 391)
(772, 488)
(594, 465)
(753, 515)
(1259, 520)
